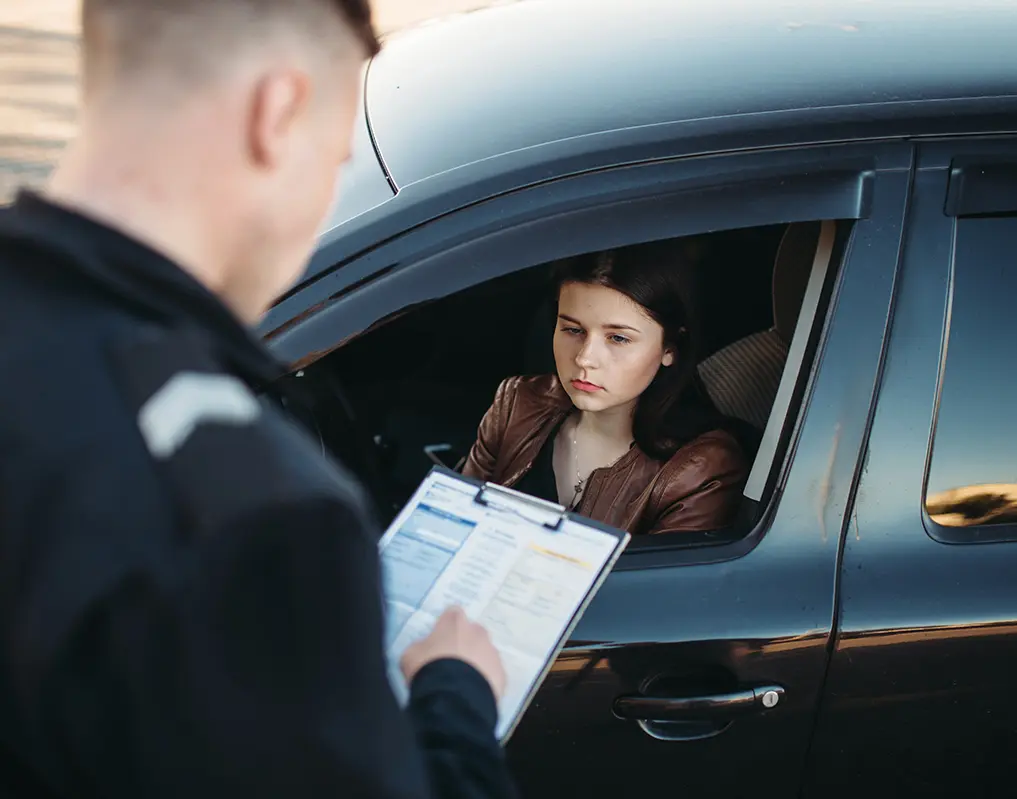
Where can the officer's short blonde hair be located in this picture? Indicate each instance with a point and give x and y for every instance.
(182, 38)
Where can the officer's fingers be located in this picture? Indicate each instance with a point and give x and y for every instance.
(452, 618)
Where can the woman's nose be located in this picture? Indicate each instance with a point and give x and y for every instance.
(586, 357)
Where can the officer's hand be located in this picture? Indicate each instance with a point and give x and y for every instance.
(455, 636)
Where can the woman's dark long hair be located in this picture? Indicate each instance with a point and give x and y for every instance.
(674, 409)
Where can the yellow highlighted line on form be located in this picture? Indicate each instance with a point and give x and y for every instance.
(559, 555)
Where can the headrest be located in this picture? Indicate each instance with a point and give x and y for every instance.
(791, 271)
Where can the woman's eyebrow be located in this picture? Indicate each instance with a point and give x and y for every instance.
(566, 318)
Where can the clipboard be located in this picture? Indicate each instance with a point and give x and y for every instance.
(525, 568)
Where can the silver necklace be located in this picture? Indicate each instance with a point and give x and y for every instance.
(580, 480)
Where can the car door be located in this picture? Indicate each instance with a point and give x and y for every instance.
(919, 698)
(697, 667)
(699, 671)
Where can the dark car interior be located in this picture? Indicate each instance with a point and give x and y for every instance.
(410, 393)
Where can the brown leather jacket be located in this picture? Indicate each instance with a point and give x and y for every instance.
(697, 489)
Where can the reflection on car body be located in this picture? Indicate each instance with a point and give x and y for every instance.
(973, 506)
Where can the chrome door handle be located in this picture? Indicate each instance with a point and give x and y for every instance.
(702, 707)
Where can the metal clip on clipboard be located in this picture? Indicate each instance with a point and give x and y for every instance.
(522, 505)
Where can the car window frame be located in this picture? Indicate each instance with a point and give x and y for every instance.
(735, 190)
(982, 183)
(557, 195)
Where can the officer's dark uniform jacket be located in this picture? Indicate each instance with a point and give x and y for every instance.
(189, 593)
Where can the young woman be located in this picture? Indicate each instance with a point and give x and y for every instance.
(620, 434)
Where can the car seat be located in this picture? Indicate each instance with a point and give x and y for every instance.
(742, 378)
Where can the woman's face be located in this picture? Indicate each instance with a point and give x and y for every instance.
(607, 349)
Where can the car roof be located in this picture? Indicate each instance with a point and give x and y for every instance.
(519, 76)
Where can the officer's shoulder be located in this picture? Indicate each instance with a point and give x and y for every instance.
(224, 451)
(70, 442)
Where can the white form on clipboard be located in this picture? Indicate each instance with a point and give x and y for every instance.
(524, 568)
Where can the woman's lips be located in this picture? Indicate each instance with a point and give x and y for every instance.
(582, 385)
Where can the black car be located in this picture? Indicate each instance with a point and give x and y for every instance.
(842, 180)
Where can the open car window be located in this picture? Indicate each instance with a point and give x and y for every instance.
(416, 386)
(419, 351)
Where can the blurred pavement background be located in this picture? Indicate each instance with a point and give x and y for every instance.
(38, 76)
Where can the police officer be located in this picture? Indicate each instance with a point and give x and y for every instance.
(189, 595)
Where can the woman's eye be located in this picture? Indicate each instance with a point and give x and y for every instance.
(572, 331)
(619, 339)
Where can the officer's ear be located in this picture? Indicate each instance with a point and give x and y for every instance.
(279, 101)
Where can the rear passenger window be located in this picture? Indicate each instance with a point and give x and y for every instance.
(972, 479)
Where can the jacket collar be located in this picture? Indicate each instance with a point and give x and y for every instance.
(554, 396)
(153, 285)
